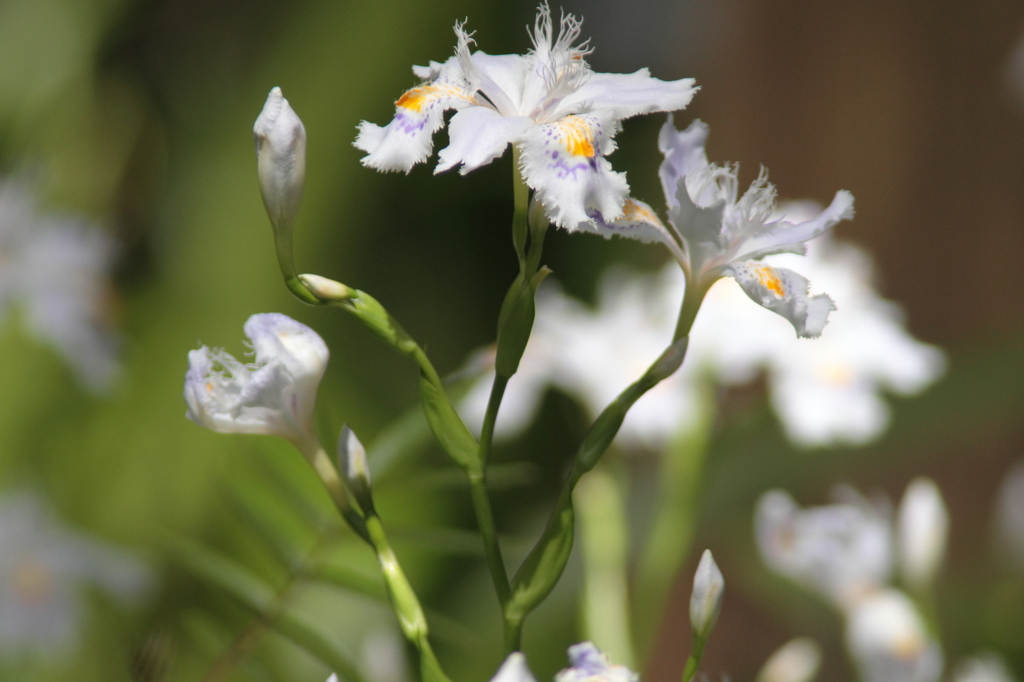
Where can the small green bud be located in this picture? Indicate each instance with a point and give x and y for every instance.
(515, 322)
(327, 289)
(354, 468)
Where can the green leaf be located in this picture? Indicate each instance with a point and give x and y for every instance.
(452, 434)
(544, 566)
(263, 600)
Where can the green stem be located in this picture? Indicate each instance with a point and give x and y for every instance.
(405, 602)
(547, 560)
(491, 417)
(328, 475)
(693, 662)
(489, 535)
(693, 296)
(521, 197)
(481, 499)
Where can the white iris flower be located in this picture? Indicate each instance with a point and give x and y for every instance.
(562, 117)
(275, 395)
(725, 234)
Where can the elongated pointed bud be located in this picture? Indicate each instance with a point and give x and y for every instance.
(281, 163)
(706, 600)
(354, 468)
(923, 524)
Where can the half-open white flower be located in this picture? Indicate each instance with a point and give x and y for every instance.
(562, 116)
(724, 234)
(275, 395)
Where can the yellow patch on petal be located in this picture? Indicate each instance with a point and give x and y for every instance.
(414, 99)
(578, 139)
(636, 213)
(908, 647)
(837, 374)
(32, 581)
(769, 279)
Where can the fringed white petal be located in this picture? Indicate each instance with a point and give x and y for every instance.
(419, 113)
(784, 292)
(684, 155)
(479, 135)
(638, 221)
(786, 237)
(564, 163)
(629, 94)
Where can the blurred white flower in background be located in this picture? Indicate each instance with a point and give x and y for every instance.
(56, 268)
(923, 525)
(797, 660)
(889, 641)
(826, 392)
(841, 551)
(1009, 516)
(590, 664)
(846, 552)
(985, 667)
(383, 657)
(44, 568)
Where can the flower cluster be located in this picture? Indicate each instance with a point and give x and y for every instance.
(847, 553)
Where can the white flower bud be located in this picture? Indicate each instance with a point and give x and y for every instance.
(797, 660)
(923, 524)
(281, 163)
(706, 600)
(514, 669)
(274, 396)
(354, 468)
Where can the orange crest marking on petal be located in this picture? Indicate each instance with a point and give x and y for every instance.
(414, 99)
(769, 279)
(578, 139)
(634, 212)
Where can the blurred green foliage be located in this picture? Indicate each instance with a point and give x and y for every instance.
(138, 114)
